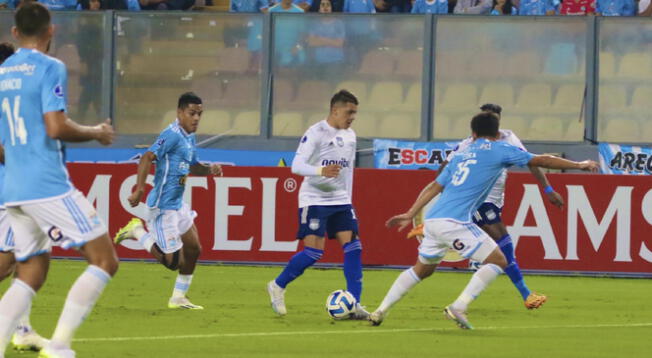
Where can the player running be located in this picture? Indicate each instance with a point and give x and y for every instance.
(325, 157)
(487, 217)
(173, 238)
(42, 204)
(467, 180)
(25, 337)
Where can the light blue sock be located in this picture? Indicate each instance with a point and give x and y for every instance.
(297, 264)
(353, 267)
(512, 270)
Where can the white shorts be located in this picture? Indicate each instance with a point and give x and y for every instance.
(69, 222)
(6, 234)
(467, 239)
(167, 226)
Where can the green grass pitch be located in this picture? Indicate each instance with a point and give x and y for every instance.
(584, 317)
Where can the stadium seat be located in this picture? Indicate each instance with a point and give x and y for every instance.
(214, 122)
(283, 93)
(318, 116)
(288, 124)
(242, 92)
(612, 99)
(366, 125)
(377, 63)
(209, 89)
(460, 127)
(620, 130)
(412, 102)
(492, 66)
(358, 88)
(568, 99)
(523, 64)
(534, 98)
(646, 130)
(233, 60)
(409, 64)
(575, 131)
(546, 128)
(441, 127)
(518, 125)
(400, 125)
(637, 65)
(451, 65)
(246, 123)
(69, 55)
(313, 95)
(607, 65)
(499, 93)
(385, 96)
(458, 97)
(641, 104)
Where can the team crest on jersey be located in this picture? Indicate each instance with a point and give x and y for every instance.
(55, 234)
(58, 91)
(340, 141)
(314, 224)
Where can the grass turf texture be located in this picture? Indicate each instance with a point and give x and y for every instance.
(584, 317)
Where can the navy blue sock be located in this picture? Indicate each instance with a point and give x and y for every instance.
(353, 267)
(512, 270)
(297, 264)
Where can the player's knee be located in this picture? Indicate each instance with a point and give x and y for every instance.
(173, 261)
(192, 251)
(109, 265)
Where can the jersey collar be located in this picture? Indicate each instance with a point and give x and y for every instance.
(183, 131)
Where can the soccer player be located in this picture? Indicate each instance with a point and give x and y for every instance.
(488, 217)
(325, 157)
(172, 238)
(42, 204)
(465, 183)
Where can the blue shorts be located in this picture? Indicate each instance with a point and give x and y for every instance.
(326, 219)
(487, 214)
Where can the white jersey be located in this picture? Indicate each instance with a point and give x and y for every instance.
(320, 146)
(497, 194)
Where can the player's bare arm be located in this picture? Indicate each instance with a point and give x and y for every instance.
(59, 126)
(552, 162)
(2, 154)
(553, 196)
(143, 170)
(428, 193)
(204, 169)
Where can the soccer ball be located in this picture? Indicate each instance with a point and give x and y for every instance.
(340, 304)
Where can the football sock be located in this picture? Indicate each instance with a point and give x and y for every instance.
(24, 324)
(15, 301)
(79, 303)
(478, 283)
(512, 270)
(147, 240)
(404, 282)
(297, 264)
(353, 267)
(182, 285)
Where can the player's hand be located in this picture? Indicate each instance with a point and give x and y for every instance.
(105, 133)
(134, 198)
(401, 221)
(589, 166)
(556, 199)
(215, 169)
(331, 171)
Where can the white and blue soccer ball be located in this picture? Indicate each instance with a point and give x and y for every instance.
(340, 304)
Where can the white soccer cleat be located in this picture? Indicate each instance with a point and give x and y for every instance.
(277, 298)
(376, 317)
(458, 316)
(28, 340)
(183, 303)
(359, 313)
(50, 352)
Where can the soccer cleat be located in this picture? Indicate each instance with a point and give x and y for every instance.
(127, 232)
(458, 316)
(277, 298)
(28, 340)
(376, 317)
(359, 313)
(50, 352)
(416, 232)
(535, 300)
(183, 303)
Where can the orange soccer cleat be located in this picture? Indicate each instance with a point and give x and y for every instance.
(535, 300)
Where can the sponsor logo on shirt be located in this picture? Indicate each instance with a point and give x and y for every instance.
(342, 162)
(28, 70)
(339, 141)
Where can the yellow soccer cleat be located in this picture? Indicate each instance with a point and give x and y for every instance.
(28, 341)
(183, 303)
(535, 300)
(127, 232)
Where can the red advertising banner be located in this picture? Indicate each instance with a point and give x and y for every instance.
(250, 215)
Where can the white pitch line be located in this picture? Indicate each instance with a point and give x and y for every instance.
(362, 331)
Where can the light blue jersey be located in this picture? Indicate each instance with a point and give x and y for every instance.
(175, 152)
(470, 175)
(2, 180)
(32, 84)
(430, 7)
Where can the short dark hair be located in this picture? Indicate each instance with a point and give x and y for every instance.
(493, 108)
(6, 50)
(485, 124)
(187, 99)
(344, 96)
(32, 19)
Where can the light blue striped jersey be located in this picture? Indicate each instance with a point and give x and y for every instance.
(175, 152)
(32, 84)
(2, 180)
(470, 175)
